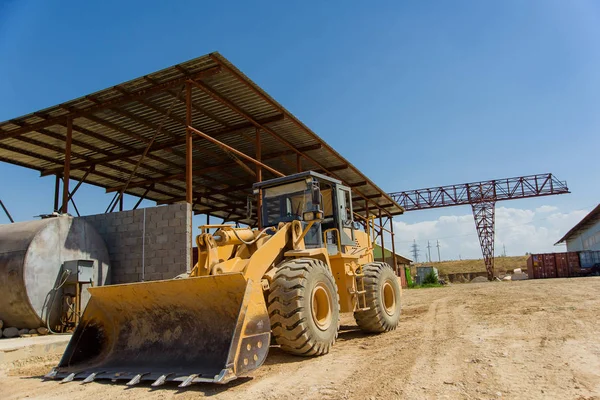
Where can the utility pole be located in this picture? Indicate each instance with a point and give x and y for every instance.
(415, 251)
(429, 251)
(438, 247)
(504, 250)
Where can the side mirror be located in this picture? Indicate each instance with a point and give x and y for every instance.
(316, 194)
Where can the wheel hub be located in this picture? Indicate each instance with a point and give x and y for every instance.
(389, 298)
(321, 307)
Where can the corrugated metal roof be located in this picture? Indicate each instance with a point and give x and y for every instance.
(113, 127)
(587, 221)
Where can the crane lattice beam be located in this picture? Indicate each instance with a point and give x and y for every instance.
(482, 196)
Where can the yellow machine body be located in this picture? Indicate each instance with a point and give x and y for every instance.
(211, 326)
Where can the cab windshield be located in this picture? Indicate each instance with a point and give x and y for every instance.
(285, 203)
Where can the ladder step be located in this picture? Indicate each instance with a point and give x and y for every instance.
(364, 309)
(358, 292)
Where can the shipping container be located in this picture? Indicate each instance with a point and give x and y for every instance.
(562, 265)
(534, 266)
(549, 266)
(573, 262)
(589, 259)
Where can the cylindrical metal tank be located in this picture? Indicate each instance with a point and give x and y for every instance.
(31, 257)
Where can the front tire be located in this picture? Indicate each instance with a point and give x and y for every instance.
(383, 299)
(304, 307)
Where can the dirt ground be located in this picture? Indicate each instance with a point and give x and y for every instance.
(534, 339)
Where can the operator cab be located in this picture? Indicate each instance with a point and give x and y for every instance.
(309, 196)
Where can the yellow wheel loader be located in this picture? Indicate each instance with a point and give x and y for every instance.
(289, 279)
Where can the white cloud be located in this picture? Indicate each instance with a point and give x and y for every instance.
(546, 209)
(520, 230)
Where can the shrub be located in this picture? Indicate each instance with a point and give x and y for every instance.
(430, 279)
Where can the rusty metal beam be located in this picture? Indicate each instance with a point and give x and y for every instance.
(57, 136)
(121, 100)
(258, 178)
(188, 144)
(10, 218)
(143, 196)
(196, 107)
(383, 207)
(235, 151)
(133, 152)
(67, 167)
(56, 190)
(359, 184)
(72, 193)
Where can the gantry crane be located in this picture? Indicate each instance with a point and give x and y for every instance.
(482, 196)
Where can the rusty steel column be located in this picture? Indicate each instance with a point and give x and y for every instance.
(56, 190)
(188, 170)
(67, 167)
(188, 144)
(382, 232)
(368, 226)
(391, 220)
(258, 179)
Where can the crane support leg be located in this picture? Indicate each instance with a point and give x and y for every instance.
(484, 212)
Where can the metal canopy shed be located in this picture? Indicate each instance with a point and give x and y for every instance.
(199, 131)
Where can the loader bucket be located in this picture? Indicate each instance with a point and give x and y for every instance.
(205, 329)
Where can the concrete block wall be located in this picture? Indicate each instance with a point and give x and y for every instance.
(165, 232)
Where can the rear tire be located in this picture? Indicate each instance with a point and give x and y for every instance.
(383, 299)
(304, 307)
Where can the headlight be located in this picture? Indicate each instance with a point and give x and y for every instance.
(312, 215)
(308, 216)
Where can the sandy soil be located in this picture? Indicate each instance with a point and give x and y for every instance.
(517, 340)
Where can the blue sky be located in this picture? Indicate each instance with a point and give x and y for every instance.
(415, 94)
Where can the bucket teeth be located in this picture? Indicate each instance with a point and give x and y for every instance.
(188, 381)
(52, 374)
(160, 381)
(135, 380)
(91, 377)
(68, 378)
